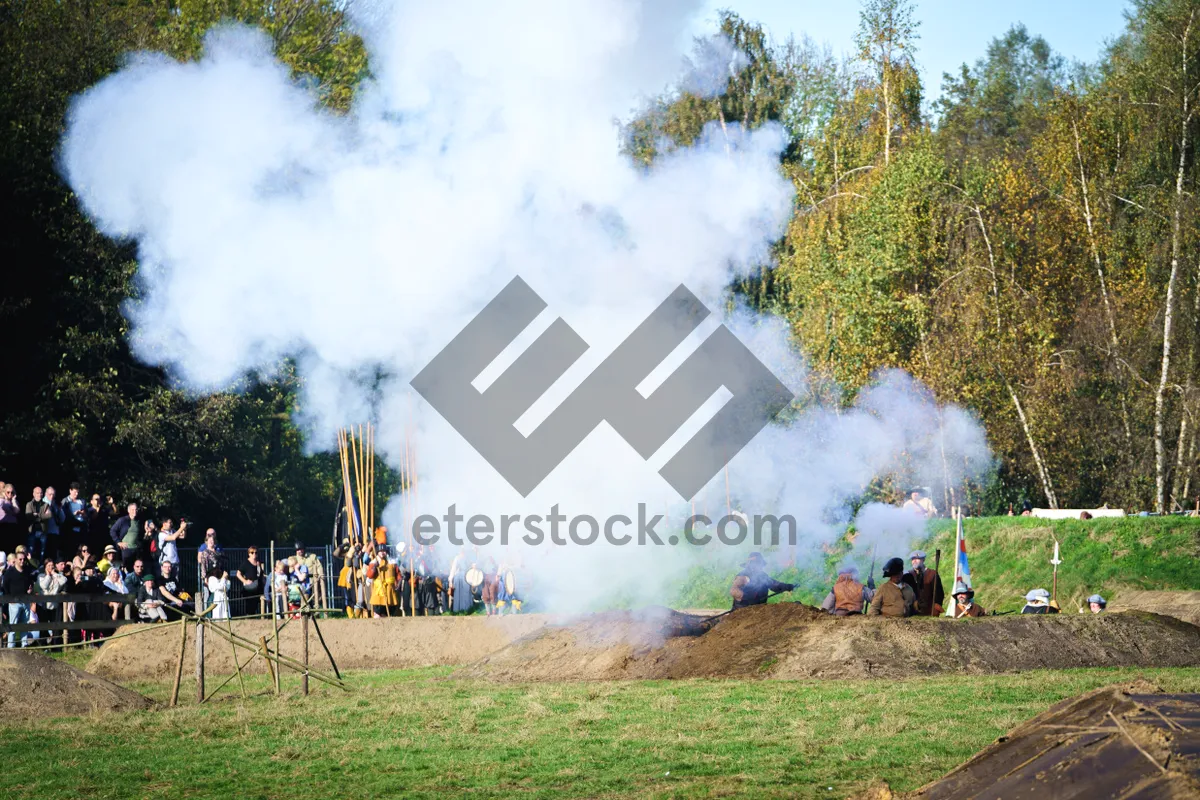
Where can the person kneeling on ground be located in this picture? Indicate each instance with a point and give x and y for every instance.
(753, 585)
(1038, 602)
(848, 595)
(964, 602)
(894, 598)
(1096, 604)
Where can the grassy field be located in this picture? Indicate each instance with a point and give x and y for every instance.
(1011, 555)
(416, 734)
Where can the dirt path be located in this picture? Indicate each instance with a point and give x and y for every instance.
(792, 641)
(356, 644)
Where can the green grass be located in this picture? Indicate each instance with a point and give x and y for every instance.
(416, 734)
(1011, 555)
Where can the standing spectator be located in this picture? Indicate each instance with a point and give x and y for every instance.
(126, 536)
(55, 521)
(18, 580)
(217, 584)
(36, 514)
(75, 512)
(250, 576)
(206, 557)
(50, 582)
(316, 570)
(168, 553)
(98, 523)
(10, 518)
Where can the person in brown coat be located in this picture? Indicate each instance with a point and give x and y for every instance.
(964, 603)
(926, 585)
(848, 595)
(894, 598)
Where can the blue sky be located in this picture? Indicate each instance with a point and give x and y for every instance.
(952, 31)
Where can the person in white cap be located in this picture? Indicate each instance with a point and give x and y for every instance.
(1037, 601)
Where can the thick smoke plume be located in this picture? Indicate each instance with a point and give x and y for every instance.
(483, 147)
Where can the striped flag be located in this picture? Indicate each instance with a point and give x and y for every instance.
(962, 570)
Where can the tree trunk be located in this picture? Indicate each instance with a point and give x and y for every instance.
(1043, 473)
(1160, 394)
(1108, 310)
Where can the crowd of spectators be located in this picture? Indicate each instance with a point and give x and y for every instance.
(64, 548)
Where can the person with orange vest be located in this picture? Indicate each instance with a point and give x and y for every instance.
(848, 595)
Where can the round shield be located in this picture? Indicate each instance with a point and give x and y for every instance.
(474, 577)
(510, 582)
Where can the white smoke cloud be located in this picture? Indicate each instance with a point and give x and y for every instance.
(484, 147)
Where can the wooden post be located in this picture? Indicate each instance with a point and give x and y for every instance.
(233, 650)
(262, 642)
(199, 661)
(937, 565)
(275, 614)
(304, 636)
(179, 664)
(325, 647)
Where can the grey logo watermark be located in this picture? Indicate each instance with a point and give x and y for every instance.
(584, 529)
(486, 419)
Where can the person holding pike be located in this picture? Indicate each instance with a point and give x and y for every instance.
(753, 585)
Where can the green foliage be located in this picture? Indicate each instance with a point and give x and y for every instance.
(79, 406)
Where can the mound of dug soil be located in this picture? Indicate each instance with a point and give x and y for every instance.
(33, 685)
(1112, 742)
(355, 643)
(793, 641)
(1181, 605)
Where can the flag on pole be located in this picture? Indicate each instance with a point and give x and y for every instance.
(962, 570)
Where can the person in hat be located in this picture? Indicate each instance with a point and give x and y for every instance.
(919, 504)
(964, 602)
(926, 585)
(848, 596)
(383, 589)
(150, 600)
(107, 560)
(895, 598)
(1037, 601)
(1096, 604)
(753, 585)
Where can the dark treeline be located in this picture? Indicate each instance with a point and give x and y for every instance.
(1026, 245)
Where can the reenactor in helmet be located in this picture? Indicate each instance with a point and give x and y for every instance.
(752, 585)
(926, 585)
(848, 595)
(1038, 601)
(894, 598)
(1096, 604)
(964, 602)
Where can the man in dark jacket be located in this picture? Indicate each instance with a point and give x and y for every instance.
(1038, 602)
(126, 536)
(752, 585)
(18, 580)
(926, 585)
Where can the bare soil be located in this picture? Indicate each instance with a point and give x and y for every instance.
(1181, 605)
(355, 644)
(33, 685)
(1131, 741)
(793, 641)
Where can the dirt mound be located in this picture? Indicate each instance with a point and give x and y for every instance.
(1181, 605)
(793, 641)
(1112, 742)
(36, 686)
(355, 644)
